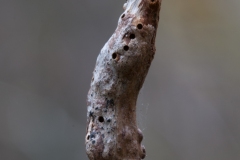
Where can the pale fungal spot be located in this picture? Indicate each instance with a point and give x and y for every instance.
(125, 6)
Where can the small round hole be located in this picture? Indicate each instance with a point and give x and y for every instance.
(139, 26)
(101, 119)
(88, 137)
(152, 0)
(114, 55)
(123, 16)
(126, 48)
(132, 36)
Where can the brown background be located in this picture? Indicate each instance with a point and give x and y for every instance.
(188, 109)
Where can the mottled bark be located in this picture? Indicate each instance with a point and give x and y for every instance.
(121, 67)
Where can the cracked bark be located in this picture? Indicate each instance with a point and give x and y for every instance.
(121, 67)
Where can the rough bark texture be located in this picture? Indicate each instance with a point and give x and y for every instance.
(121, 67)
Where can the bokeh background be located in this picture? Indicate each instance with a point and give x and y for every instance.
(188, 109)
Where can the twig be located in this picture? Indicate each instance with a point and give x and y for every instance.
(121, 67)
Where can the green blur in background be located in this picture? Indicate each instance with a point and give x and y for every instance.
(188, 109)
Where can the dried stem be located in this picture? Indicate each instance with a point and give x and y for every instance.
(121, 67)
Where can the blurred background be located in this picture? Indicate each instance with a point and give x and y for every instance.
(188, 109)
